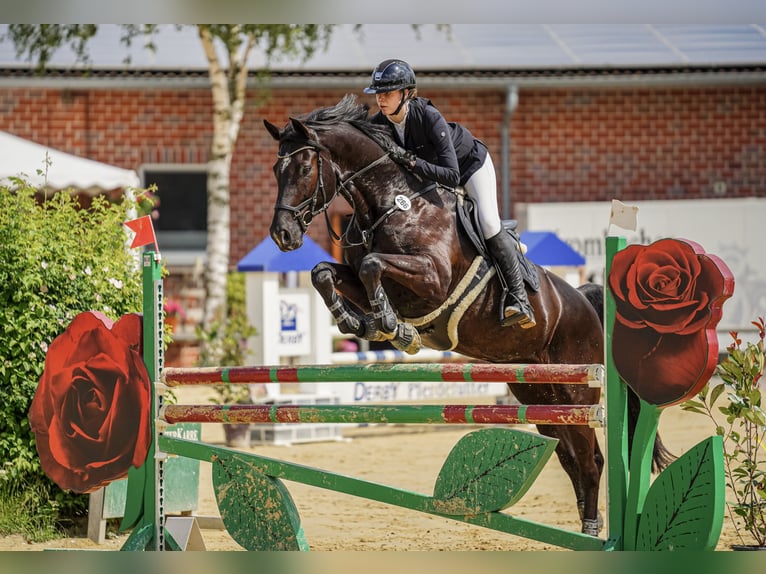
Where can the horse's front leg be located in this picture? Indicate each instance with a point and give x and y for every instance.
(330, 278)
(418, 275)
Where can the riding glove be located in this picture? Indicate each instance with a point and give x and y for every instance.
(402, 156)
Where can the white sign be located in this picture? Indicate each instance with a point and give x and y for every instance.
(398, 391)
(294, 323)
(731, 229)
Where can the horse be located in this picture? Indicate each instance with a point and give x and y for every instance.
(412, 276)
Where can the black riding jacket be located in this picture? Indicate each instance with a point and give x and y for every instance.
(450, 161)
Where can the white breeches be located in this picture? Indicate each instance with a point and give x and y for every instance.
(482, 188)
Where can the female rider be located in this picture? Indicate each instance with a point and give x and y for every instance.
(450, 155)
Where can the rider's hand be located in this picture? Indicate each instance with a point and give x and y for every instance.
(403, 157)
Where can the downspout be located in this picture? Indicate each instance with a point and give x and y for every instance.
(511, 101)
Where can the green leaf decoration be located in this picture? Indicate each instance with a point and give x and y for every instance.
(490, 469)
(684, 507)
(256, 509)
(134, 498)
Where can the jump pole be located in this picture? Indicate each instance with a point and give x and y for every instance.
(592, 375)
(591, 415)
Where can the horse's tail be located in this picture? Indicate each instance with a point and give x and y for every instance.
(661, 456)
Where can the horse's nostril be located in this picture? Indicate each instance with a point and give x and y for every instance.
(276, 236)
(281, 237)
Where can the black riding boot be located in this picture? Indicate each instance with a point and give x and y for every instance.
(503, 251)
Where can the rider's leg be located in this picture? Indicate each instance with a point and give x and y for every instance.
(503, 250)
(482, 188)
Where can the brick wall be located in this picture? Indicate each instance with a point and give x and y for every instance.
(649, 144)
(566, 144)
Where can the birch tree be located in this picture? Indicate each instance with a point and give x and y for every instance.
(228, 49)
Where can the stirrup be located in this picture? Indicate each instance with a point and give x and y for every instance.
(517, 316)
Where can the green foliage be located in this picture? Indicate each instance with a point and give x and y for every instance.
(15, 516)
(56, 260)
(226, 341)
(41, 41)
(744, 431)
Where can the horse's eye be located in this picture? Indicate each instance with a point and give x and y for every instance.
(305, 170)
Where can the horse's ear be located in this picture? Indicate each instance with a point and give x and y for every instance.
(302, 128)
(273, 130)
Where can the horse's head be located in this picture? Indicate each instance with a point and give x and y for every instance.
(331, 151)
(305, 182)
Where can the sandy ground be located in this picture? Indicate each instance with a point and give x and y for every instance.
(408, 457)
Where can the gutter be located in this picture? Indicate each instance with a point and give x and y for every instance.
(511, 103)
(342, 79)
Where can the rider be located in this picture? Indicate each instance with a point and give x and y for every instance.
(460, 159)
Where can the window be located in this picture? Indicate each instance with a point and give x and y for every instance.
(182, 223)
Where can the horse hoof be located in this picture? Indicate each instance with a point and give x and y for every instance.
(407, 339)
(373, 333)
(591, 527)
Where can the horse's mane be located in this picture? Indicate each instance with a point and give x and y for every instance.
(348, 110)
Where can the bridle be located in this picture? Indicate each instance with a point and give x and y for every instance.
(305, 211)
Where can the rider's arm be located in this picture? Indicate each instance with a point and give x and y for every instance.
(437, 134)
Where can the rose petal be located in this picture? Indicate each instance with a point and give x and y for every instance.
(130, 329)
(662, 369)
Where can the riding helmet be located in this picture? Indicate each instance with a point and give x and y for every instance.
(391, 75)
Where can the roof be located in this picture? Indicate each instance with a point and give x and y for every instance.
(463, 47)
(27, 159)
(266, 256)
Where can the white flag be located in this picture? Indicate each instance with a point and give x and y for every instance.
(623, 215)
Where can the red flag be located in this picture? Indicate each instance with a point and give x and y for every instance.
(144, 232)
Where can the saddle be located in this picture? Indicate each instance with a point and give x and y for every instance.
(469, 220)
(439, 329)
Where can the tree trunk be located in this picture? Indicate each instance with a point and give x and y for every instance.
(228, 91)
(218, 240)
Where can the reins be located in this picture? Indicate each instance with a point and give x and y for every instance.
(305, 212)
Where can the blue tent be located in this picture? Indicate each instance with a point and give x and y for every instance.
(545, 248)
(266, 256)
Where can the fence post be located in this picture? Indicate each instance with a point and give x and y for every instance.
(615, 401)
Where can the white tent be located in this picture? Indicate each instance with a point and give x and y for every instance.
(45, 167)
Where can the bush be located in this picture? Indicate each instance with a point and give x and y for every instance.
(56, 260)
(744, 431)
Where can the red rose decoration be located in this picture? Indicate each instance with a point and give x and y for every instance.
(91, 411)
(668, 298)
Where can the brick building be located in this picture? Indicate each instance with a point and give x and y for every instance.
(679, 122)
(580, 132)
(586, 143)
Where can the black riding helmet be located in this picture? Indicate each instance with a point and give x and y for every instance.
(391, 75)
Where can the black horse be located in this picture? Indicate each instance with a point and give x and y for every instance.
(412, 276)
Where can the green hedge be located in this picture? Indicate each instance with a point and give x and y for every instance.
(56, 260)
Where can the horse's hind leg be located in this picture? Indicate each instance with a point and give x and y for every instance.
(580, 456)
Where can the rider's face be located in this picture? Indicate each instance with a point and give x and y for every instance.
(389, 101)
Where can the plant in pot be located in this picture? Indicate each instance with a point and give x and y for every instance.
(740, 419)
(175, 313)
(226, 345)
